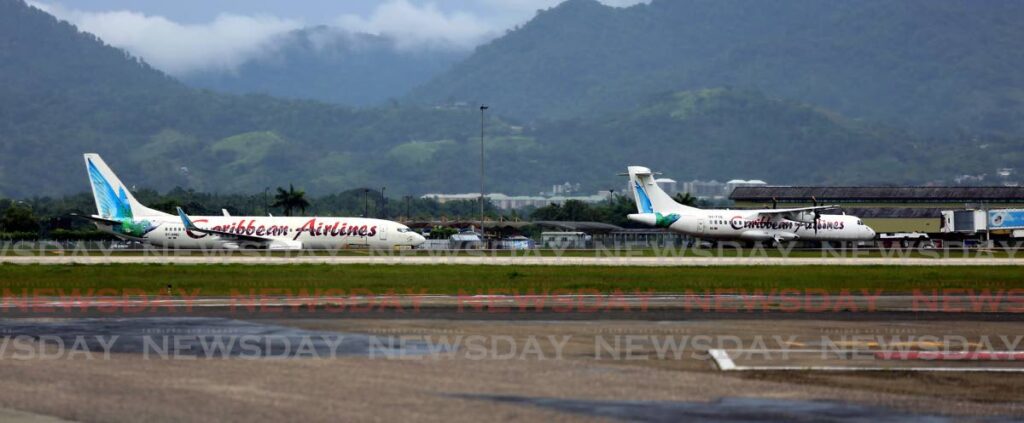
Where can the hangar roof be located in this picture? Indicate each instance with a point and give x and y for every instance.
(578, 226)
(894, 213)
(922, 194)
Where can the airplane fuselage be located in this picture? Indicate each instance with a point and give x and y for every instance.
(286, 232)
(752, 225)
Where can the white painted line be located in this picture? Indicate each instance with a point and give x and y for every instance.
(725, 363)
(882, 369)
(722, 359)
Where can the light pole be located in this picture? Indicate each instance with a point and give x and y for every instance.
(407, 199)
(266, 202)
(483, 108)
(366, 204)
(611, 197)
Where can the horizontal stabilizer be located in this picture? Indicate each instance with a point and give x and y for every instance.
(97, 219)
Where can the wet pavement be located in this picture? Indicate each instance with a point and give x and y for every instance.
(728, 410)
(207, 337)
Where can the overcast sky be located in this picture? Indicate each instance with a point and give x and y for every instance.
(184, 36)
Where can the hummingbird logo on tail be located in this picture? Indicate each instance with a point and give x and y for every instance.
(663, 221)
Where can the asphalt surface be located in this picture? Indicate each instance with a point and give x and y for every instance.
(573, 307)
(508, 261)
(506, 381)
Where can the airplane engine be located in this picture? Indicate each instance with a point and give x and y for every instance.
(802, 217)
(785, 236)
(645, 218)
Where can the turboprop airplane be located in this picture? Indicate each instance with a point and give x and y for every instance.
(656, 208)
(124, 217)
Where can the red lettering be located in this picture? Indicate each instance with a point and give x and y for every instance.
(308, 226)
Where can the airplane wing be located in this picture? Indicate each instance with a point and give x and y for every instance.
(799, 214)
(185, 220)
(98, 219)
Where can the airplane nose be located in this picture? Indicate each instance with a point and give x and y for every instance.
(418, 239)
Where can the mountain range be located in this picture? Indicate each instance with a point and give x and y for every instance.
(332, 65)
(66, 93)
(931, 66)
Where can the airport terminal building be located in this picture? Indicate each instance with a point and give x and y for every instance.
(886, 209)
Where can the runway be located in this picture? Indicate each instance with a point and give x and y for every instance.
(551, 370)
(858, 305)
(495, 260)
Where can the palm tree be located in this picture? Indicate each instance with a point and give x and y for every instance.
(686, 199)
(290, 200)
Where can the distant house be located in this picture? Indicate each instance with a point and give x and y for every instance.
(465, 241)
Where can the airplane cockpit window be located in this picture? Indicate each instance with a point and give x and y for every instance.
(404, 230)
(859, 222)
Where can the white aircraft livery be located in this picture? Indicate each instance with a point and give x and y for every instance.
(121, 215)
(656, 208)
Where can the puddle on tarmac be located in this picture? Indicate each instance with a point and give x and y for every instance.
(729, 410)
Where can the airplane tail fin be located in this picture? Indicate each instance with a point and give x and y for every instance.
(650, 198)
(113, 200)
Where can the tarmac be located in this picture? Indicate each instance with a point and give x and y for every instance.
(580, 357)
(575, 371)
(399, 259)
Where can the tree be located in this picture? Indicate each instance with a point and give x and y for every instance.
(19, 218)
(290, 200)
(575, 210)
(685, 199)
(551, 211)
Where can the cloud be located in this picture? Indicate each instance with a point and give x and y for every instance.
(179, 49)
(534, 5)
(424, 25)
(230, 40)
(624, 3)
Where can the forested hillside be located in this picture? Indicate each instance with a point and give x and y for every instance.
(933, 66)
(65, 93)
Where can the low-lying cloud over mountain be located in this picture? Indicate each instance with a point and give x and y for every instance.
(175, 48)
(228, 40)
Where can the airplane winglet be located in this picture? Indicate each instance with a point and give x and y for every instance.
(184, 219)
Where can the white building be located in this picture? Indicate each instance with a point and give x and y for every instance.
(704, 189)
(731, 185)
(668, 185)
(509, 202)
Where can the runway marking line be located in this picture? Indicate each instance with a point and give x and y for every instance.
(725, 363)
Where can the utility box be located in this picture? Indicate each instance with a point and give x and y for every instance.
(963, 221)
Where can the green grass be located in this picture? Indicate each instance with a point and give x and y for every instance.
(213, 280)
